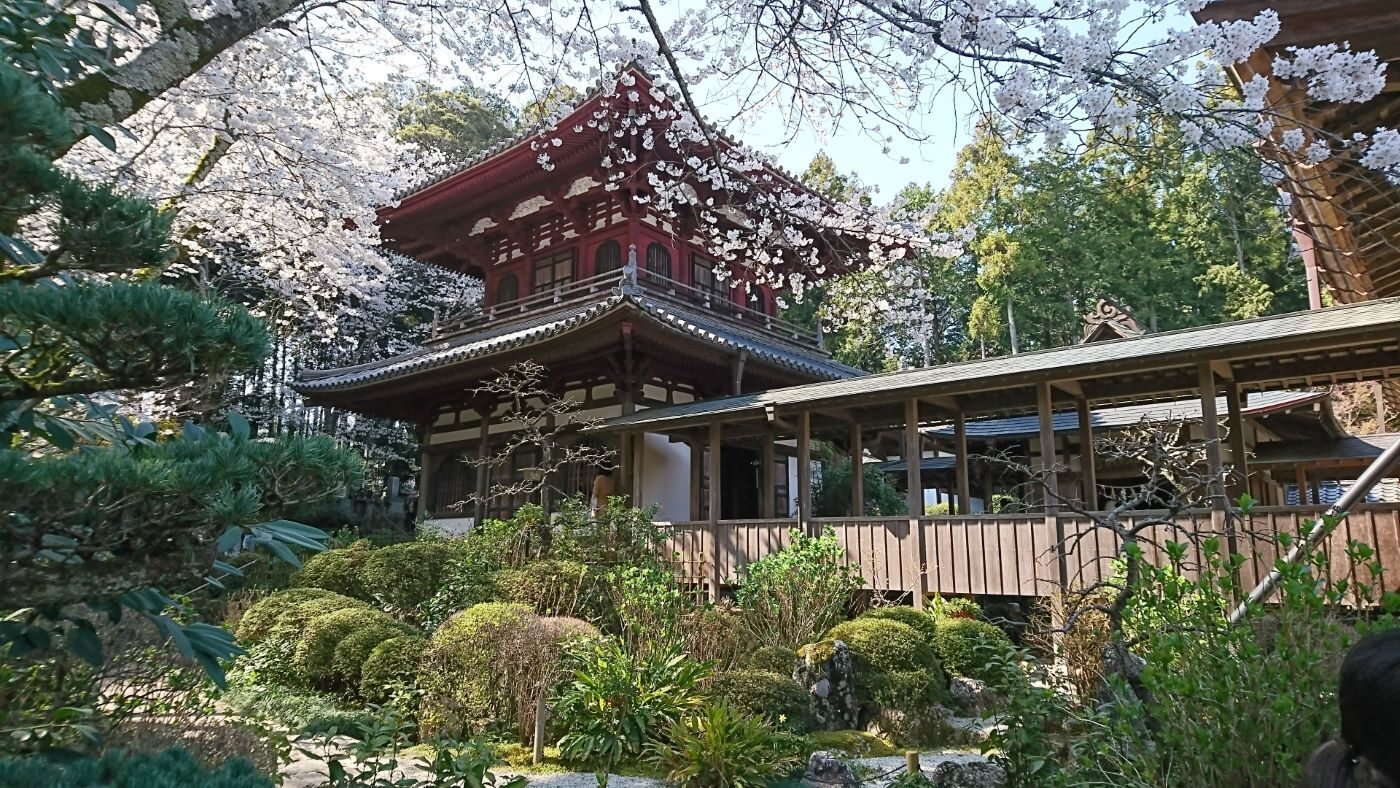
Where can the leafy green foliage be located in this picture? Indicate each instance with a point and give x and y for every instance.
(716, 634)
(337, 570)
(957, 607)
(896, 668)
(461, 688)
(173, 767)
(923, 623)
(392, 667)
(402, 576)
(556, 588)
(831, 489)
(354, 649)
(261, 616)
(287, 708)
(456, 123)
(792, 596)
(723, 747)
(774, 659)
(650, 606)
(617, 703)
(760, 693)
(319, 645)
(962, 645)
(851, 744)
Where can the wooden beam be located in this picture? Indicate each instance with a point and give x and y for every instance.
(1239, 453)
(857, 471)
(1300, 477)
(697, 457)
(639, 446)
(716, 574)
(1210, 429)
(483, 470)
(1050, 478)
(1088, 469)
(963, 463)
(804, 470)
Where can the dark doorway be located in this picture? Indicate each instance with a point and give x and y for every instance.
(739, 482)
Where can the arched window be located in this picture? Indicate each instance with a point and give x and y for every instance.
(508, 289)
(702, 278)
(659, 261)
(607, 258)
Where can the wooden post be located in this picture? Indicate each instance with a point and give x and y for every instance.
(963, 461)
(697, 454)
(425, 481)
(639, 449)
(914, 477)
(1301, 479)
(911, 762)
(768, 490)
(1210, 429)
(857, 472)
(541, 715)
(716, 575)
(804, 471)
(1050, 478)
(483, 470)
(1239, 454)
(1088, 473)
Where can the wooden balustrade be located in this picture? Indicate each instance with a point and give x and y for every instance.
(1015, 555)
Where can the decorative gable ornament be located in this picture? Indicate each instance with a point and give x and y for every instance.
(1109, 320)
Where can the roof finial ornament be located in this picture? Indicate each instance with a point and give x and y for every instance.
(629, 272)
(1110, 320)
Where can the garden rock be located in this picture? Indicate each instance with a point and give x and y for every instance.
(927, 726)
(827, 770)
(828, 673)
(971, 695)
(968, 774)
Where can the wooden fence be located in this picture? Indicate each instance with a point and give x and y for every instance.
(1015, 554)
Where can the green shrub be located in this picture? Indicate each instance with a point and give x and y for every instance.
(337, 570)
(791, 596)
(722, 747)
(392, 666)
(118, 769)
(895, 668)
(851, 744)
(460, 675)
(401, 577)
(468, 580)
(958, 641)
(352, 651)
(650, 606)
(759, 693)
(315, 653)
(717, 635)
(957, 607)
(258, 619)
(556, 588)
(618, 703)
(775, 659)
(922, 622)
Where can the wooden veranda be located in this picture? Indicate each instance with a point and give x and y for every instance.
(1029, 553)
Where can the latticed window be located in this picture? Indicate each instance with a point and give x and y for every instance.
(659, 261)
(554, 271)
(607, 258)
(702, 277)
(508, 289)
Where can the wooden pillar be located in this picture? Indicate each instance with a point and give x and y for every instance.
(1210, 429)
(963, 461)
(857, 472)
(718, 544)
(804, 471)
(483, 469)
(697, 455)
(1088, 469)
(768, 491)
(425, 480)
(639, 447)
(1048, 459)
(914, 478)
(1239, 453)
(1301, 479)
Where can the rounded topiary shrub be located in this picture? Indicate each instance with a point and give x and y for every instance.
(922, 623)
(458, 675)
(957, 607)
(315, 654)
(959, 640)
(760, 693)
(337, 570)
(555, 588)
(390, 667)
(884, 645)
(259, 619)
(401, 576)
(775, 659)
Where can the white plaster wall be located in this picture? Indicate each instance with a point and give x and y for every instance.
(666, 478)
(791, 502)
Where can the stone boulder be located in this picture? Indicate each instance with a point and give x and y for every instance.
(968, 774)
(827, 770)
(971, 696)
(828, 673)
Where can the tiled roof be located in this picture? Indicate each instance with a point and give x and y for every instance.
(1128, 415)
(1359, 447)
(497, 338)
(1255, 335)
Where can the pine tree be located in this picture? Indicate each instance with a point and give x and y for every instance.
(102, 512)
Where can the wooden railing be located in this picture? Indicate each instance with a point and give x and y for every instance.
(653, 285)
(1015, 554)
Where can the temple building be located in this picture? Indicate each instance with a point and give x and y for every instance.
(625, 305)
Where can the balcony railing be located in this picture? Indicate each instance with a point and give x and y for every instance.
(654, 286)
